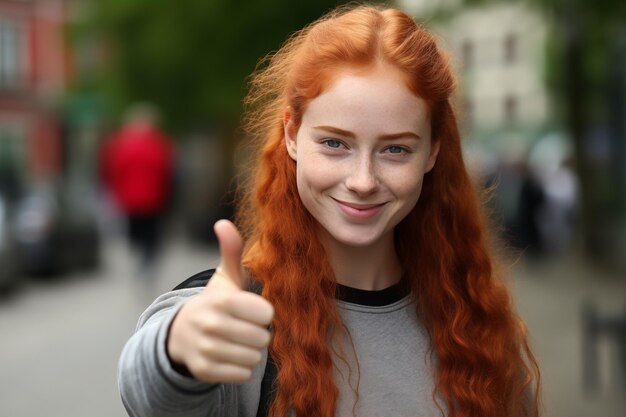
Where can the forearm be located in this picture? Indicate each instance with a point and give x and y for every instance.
(149, 385)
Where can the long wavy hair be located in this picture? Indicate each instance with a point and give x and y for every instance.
(484, 366)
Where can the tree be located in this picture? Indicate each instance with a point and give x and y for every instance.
(191, 58)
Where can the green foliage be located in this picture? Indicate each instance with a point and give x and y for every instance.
(192, 57)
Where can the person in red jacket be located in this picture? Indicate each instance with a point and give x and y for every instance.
(137, 163)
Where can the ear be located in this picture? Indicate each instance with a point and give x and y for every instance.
(432, 158)
(290, 132)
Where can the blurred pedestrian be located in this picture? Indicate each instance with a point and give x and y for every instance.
(372, 286)
(137, 166)
(549, 164)
(526, 229)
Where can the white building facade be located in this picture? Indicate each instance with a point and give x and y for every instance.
(499, 55)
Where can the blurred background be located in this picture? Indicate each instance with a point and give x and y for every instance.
(86, 86)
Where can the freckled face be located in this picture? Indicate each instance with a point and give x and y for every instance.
(361, 153)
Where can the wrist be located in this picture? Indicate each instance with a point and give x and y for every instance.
(177, 364)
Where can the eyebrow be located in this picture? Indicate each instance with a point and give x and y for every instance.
(347, 133)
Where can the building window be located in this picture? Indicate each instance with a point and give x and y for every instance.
(467, 54)
(11, 64)
(510, 110)
(510, 49)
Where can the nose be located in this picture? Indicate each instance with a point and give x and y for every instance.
(362, 178)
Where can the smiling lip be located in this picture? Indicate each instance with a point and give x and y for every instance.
(359, 211)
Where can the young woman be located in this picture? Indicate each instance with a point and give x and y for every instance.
(376, 291)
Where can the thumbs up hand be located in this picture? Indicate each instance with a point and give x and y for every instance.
(219, 334)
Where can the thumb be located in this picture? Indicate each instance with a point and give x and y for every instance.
(231, 248)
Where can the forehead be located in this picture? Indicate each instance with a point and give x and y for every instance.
(366, 101)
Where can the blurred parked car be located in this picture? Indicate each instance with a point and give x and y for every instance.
(9, 270)
(56, 231)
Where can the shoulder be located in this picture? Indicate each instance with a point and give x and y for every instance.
(202, 278)
(197, 280)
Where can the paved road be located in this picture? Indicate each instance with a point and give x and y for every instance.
(549, 298)
(60, 341)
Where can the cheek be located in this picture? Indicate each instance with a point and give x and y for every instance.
(407, 190)
(406, 183)
(411, 195)
(314, 175)
(408, 194)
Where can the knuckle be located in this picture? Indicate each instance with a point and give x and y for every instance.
(207, 347)
(256, 357)
(267, 312)
(201, 369)
(263, 339)
(212, 324)
(270, 311)
(267, 337)
(225, 300)
(246, 374)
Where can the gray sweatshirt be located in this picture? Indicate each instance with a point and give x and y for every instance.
(394, 374)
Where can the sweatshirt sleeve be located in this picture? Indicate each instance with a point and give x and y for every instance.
(148, 384)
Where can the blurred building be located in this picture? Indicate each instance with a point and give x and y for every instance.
(499, 53)
(33, 76)
(52, 221)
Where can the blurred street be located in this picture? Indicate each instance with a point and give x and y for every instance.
(549, 297)
(112, 122)
(61, 340)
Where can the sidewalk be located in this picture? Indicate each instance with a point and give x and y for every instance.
(549, 297)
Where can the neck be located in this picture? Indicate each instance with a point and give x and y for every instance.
(373, 267)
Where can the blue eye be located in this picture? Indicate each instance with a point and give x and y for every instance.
(331, 143)
(396, 149)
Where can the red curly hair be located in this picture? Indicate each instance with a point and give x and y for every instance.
(484, 367)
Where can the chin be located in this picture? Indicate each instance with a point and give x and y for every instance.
(357, 239)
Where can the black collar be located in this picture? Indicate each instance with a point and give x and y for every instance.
(376, 298)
